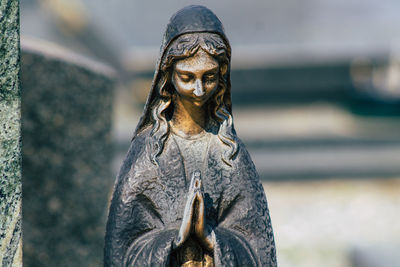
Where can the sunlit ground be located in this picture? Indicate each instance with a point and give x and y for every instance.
(324, 223)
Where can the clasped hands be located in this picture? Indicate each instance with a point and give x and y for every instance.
(194, 217)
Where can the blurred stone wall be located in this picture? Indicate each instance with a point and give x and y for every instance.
(10, 148)
(66, 128)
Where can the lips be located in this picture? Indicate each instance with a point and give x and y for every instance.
(202, 98)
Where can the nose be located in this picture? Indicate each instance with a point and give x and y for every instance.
(198, 88)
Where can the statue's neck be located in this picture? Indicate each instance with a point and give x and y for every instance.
(188, 118)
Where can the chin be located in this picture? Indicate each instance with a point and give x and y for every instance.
(199, 103)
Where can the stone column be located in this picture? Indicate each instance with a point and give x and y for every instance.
(66, 133)
(10, 137)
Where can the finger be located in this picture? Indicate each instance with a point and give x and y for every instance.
(199, 196)
(195, 182)
(186, 224)
(183, 233)
(200, 220)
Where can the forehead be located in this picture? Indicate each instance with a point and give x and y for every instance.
(199, 62)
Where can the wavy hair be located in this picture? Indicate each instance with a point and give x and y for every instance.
(185, 46)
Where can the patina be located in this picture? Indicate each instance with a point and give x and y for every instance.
(188, 193)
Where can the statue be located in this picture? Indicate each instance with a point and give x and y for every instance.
(188, 193)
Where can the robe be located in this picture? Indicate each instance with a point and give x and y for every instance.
(149, 201)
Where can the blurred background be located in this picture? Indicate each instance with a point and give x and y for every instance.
(316, 100)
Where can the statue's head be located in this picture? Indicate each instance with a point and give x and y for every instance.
(195, 68)
(196, 78)
(194, 65)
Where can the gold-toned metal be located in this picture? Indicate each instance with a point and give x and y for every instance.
(208, 261)
(193, 264)
(194, 248)
(195, 80)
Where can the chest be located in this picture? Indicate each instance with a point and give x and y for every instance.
(169, 191)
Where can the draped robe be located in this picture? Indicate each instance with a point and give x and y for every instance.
(148, 204)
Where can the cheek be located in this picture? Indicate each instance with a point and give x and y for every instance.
(182, 87)
(211, 87)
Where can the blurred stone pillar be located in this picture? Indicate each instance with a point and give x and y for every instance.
(10, 137)
(66, 132)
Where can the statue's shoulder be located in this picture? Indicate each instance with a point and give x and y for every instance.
(241, 149)
(136, 151)
(138, 143)
(243, 163)
(140, 137)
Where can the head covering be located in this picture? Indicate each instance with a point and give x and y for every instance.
(190, 19)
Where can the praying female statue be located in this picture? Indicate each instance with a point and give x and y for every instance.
(188, 193)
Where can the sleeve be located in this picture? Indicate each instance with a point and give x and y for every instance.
(135, 234)
(135, 231)
(232, 249)
(244, 235)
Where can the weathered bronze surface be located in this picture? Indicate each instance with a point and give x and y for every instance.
(188, 193)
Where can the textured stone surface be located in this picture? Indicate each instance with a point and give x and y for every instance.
(10, 157)
(66, 158)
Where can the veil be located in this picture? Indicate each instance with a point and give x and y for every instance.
(191, 19)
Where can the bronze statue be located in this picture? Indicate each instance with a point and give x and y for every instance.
(188, 193)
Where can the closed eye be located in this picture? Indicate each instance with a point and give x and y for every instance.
(210, 77)
(186, 77)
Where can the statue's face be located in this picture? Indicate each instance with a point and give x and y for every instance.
(196, 78)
